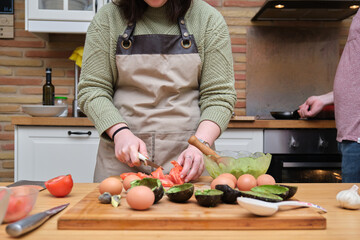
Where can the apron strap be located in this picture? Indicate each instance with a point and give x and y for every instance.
(186, 41)
(126, 37)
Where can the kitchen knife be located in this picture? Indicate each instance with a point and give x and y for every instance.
(34, 221)
(40, 184)
(147, 162)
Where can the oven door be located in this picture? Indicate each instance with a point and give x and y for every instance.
(303, 155)
(290, 168)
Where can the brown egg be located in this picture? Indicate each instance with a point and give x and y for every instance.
(112, 185)
(265, 179)
(140, 197)
(246, 182)
(223, 181)
(229, 175)
(127, 181)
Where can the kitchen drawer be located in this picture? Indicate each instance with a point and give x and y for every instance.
(43, 152)
(241, 140)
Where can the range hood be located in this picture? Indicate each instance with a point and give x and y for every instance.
(318, 10)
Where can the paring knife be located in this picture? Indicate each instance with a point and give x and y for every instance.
(34, 221)
(147, 162)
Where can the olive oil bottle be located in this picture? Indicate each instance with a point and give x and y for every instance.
(48, 89)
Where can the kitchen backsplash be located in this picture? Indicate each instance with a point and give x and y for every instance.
(23, 61)
(299, 62)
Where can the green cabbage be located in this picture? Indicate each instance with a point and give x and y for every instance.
(254, 164)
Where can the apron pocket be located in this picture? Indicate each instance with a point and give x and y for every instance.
(168, 147)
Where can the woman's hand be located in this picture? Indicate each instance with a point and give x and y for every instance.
(127, 146)
(192, 158)
(193, 163)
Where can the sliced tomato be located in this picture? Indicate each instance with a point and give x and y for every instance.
(18, 207)
(175, 173)
(166, 182)
(168, 177)
(143, 175)
(60, 186)
(124, 175)
(158, 173)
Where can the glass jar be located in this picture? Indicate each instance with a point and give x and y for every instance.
(62, 101)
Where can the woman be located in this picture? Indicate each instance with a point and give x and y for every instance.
(154, 73)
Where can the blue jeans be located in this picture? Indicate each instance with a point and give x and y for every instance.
(350, 166)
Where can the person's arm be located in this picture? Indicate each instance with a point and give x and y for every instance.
(314, 104)
(99, 74)
(96, 89)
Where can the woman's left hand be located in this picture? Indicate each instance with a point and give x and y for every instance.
(193, 164)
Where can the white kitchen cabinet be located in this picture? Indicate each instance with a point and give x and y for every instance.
(44, 152)
(60, 16)
(250, 140)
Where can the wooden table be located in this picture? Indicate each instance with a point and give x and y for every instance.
(341, 223)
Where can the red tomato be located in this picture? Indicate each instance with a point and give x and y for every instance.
(168, 177)
(18, 208)
(175, 173)
(158, 173)
(166, 182)
(143, 175)
(124, 175)
(60, 186)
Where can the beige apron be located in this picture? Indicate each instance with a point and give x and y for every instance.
(157, 93)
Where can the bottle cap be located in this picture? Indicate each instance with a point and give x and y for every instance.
(57, 97)
(48, 70)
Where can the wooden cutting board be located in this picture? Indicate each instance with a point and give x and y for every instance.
(243, 118)
(90, 214)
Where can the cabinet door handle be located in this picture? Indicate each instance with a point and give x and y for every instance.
(79, 133)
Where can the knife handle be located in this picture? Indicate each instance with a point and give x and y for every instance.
(193, 140)
(27, 224)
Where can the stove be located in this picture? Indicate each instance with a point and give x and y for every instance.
(303, 155)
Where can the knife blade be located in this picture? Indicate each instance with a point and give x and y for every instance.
(147, 162)
(32, 222)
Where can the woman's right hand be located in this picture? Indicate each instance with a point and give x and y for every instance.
(128, 146)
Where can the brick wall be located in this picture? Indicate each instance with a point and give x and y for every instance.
(23, 61)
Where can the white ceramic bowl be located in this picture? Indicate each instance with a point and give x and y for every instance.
(44, 110)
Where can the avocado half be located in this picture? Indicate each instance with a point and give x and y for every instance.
(180, 193)
(292, 191)
(208, 197)
(281, 191)
(230, 195)
(154, 184)
(267, 197)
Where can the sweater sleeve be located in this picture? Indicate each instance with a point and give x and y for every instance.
(217, 83)
(98, 75)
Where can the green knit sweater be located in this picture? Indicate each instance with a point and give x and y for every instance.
(99, 72)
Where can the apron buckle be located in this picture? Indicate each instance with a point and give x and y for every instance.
(127, 44)
(186, 43)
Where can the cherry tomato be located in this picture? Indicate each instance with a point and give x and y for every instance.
(60, 186)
